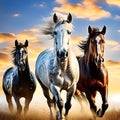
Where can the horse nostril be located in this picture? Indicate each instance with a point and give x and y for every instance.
(66, 53)
(62, 54)
(102, 59)
(99, 60)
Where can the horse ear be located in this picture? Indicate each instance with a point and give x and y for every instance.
(16, 43)
(103, 30)
(55, 19)
(69, 18)
(89, 29)
(26, 43)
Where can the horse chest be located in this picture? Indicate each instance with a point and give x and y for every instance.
(60, 78)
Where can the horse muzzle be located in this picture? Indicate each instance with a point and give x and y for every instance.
(62, 55)
(21, 67)
(99, 61)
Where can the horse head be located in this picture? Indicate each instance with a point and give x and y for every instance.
(20, 55)
(96, 46)
(62, 36)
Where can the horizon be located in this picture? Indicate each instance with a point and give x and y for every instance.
(23, 20)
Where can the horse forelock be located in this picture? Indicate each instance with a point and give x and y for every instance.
(14, 52)
(84, 45)
(48, 29)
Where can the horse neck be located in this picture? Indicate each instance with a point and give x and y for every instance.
(64, 65)
(26, 73)
(89, 60)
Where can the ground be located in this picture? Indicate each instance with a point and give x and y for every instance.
(39, 110)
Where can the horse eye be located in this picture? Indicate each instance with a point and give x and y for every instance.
(68, 32)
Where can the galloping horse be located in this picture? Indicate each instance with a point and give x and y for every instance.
(57, 68)
(19, 81)
(93, 73)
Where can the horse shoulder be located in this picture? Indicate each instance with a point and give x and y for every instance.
(42, 66)
(8, 79)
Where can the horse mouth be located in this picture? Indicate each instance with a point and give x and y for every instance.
(99, 62)
(21, 67)
(62, 59)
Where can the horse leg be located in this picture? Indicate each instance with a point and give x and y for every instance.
(47, 95)
(91, 99)
(104, 95)
(58, 100)
(27, 102)
(9, 100)
(19, 107)
(68, 104)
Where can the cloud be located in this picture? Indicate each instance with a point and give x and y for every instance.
(113, 45)
(24, 36)
(112, 42)
(16, 15)
(112, 63)
(77, 39)
(86, 10)
(6, 37)
(113, 2)
(61, 1)
(3, 57)
(117, 17)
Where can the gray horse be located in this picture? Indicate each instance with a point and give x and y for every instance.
(57, 68)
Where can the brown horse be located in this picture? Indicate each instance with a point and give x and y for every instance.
(93, 73)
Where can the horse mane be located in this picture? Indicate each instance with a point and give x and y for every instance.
(48, 28)
(14, 51)
(84, 45)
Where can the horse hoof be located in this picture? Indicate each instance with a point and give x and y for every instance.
(59, 117)
(99, 113)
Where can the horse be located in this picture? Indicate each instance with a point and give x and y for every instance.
(93, 73)
(57, 67)
(18, 81)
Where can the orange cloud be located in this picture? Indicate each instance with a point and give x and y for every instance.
(25, 35)
(86, 9)
(61, 1)
(111, 63)
(6, 37)
(78, 39)
(113, 2)
(113, 45)
(3, 57)
(114, 76)
(112, 42)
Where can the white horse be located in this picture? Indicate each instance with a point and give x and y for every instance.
(57, 68)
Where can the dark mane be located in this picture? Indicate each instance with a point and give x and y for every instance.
(49, 27)
(84, 45)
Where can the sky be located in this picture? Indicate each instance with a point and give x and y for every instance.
(23, 19)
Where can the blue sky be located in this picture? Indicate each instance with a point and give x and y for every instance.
(22, 17)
